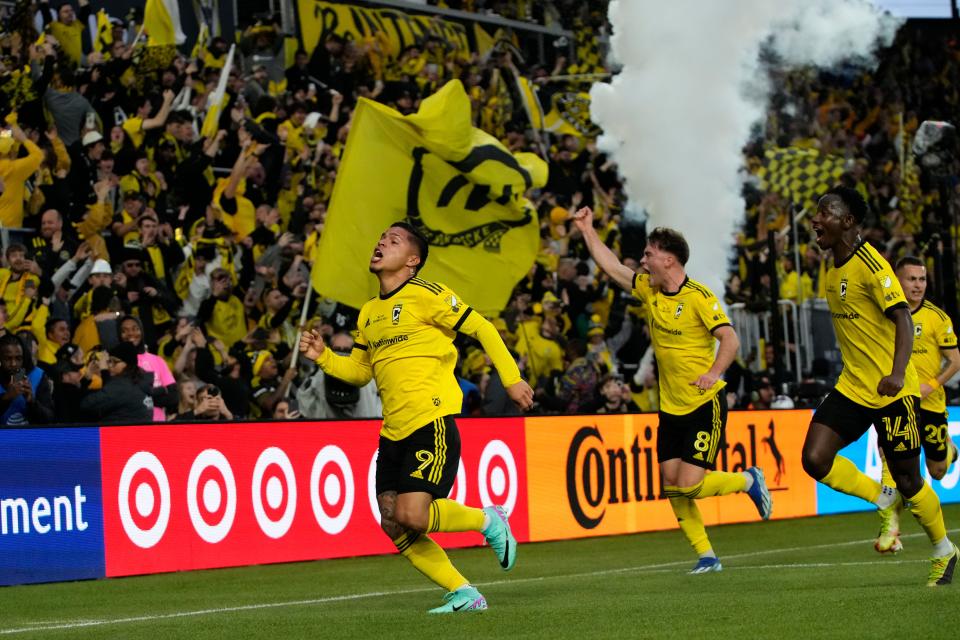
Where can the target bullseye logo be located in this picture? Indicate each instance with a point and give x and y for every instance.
(332, 489)
(211, 496)
(497, 476)
(144, 481)
(274, 491)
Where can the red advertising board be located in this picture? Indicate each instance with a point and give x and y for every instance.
(203, 496)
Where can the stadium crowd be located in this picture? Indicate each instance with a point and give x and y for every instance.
(140, 295)
(861, 118)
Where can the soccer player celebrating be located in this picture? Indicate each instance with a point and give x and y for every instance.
(405, 342)
(936, 359)
(878, 384)
(685, 321)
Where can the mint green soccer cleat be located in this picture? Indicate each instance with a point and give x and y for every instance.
(463, 600)
(500, 538)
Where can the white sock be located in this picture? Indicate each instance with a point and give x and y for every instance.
(749, 477)
(888, 495)
(942, 548)
(486, 521)
(708, 554)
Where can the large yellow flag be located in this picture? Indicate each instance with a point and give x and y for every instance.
(161, 21)
(455, 183)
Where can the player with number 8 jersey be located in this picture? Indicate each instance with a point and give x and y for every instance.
(685, 321)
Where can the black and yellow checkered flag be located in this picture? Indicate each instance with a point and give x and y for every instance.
(589, 59)
(802, 175)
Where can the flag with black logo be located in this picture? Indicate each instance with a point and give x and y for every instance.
(457, 184)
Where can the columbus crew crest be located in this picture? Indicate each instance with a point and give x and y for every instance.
(843, 289)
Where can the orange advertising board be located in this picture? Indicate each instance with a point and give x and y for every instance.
(598, 475)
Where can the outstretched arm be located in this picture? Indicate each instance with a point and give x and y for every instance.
(601, 253)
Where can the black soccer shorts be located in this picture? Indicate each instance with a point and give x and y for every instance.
(935, 435)
(896, 423)
(695, 437)
(427, 460)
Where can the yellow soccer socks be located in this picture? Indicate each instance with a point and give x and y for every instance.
(450, 515)
(720, 483)
(886, 478)
(925, 507)
(430, 560)
(846, 478)
(690, 520)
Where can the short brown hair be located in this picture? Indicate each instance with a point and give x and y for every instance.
(671, 241)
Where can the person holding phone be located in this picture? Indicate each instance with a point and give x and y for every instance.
(25, 394)
(210, 406)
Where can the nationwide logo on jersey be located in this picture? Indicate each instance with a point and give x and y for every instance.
(679, 311)
(918, 329)
(396, 313)
(843, 289)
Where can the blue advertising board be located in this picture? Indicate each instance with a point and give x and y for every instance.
(51, 509)
(865, 454)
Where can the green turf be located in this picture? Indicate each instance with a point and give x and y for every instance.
(800, 578)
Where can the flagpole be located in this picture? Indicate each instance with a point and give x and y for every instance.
(136, 40)
(582, 77)
(303, 322)
(903, 148)
(537, 133)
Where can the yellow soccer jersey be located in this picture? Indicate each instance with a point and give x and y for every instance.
(932, 331)
(681, 328)
(405, 342)
(859, 293)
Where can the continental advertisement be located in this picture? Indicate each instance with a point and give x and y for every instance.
(96, 502)
(598, 475)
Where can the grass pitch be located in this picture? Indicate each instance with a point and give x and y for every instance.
(811, 578)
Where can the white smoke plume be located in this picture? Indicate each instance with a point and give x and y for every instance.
(691, 85)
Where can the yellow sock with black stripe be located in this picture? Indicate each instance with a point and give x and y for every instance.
(886, 478)
(450, 515)
(430, 560)
(690, 520)
(846, 478)
(925, 507)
